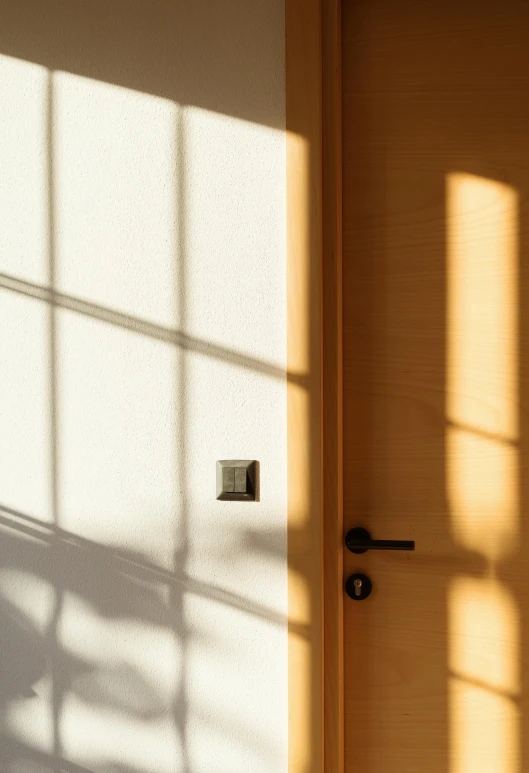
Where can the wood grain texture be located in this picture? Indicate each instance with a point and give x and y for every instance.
(436, 383)
(304, 242)
(332, 417)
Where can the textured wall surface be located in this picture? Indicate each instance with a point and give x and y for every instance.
(142, 305)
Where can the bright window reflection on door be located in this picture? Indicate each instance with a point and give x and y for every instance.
(482, 470)
(484, 683)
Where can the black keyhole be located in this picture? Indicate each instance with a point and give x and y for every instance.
(358, 587)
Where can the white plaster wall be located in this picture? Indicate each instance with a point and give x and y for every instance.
(142, 305)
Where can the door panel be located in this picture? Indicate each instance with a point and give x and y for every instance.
(435, 184)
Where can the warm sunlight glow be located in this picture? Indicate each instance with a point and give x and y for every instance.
(482, 484)
(482, 409)
(482, 471)
(484, 635)
(304, 675)
(484, 683)
(484, 730)
(482, 218)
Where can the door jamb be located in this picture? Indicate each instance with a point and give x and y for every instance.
(332, 392)
(314, 385)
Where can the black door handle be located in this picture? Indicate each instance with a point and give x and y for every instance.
(359, 540)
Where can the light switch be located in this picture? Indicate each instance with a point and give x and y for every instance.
(236, 479)
(241, 479)
(228, 479)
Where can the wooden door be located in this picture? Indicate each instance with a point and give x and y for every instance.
(436, 329)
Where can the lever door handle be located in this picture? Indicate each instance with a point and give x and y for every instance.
(359, 540)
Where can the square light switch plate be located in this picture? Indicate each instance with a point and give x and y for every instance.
(236, 479)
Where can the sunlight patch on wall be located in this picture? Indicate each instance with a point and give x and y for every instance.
(118, 437)
(116, 197)
(229, 162)
(24, 164)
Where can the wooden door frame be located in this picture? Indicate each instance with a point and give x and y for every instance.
(314, 393)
